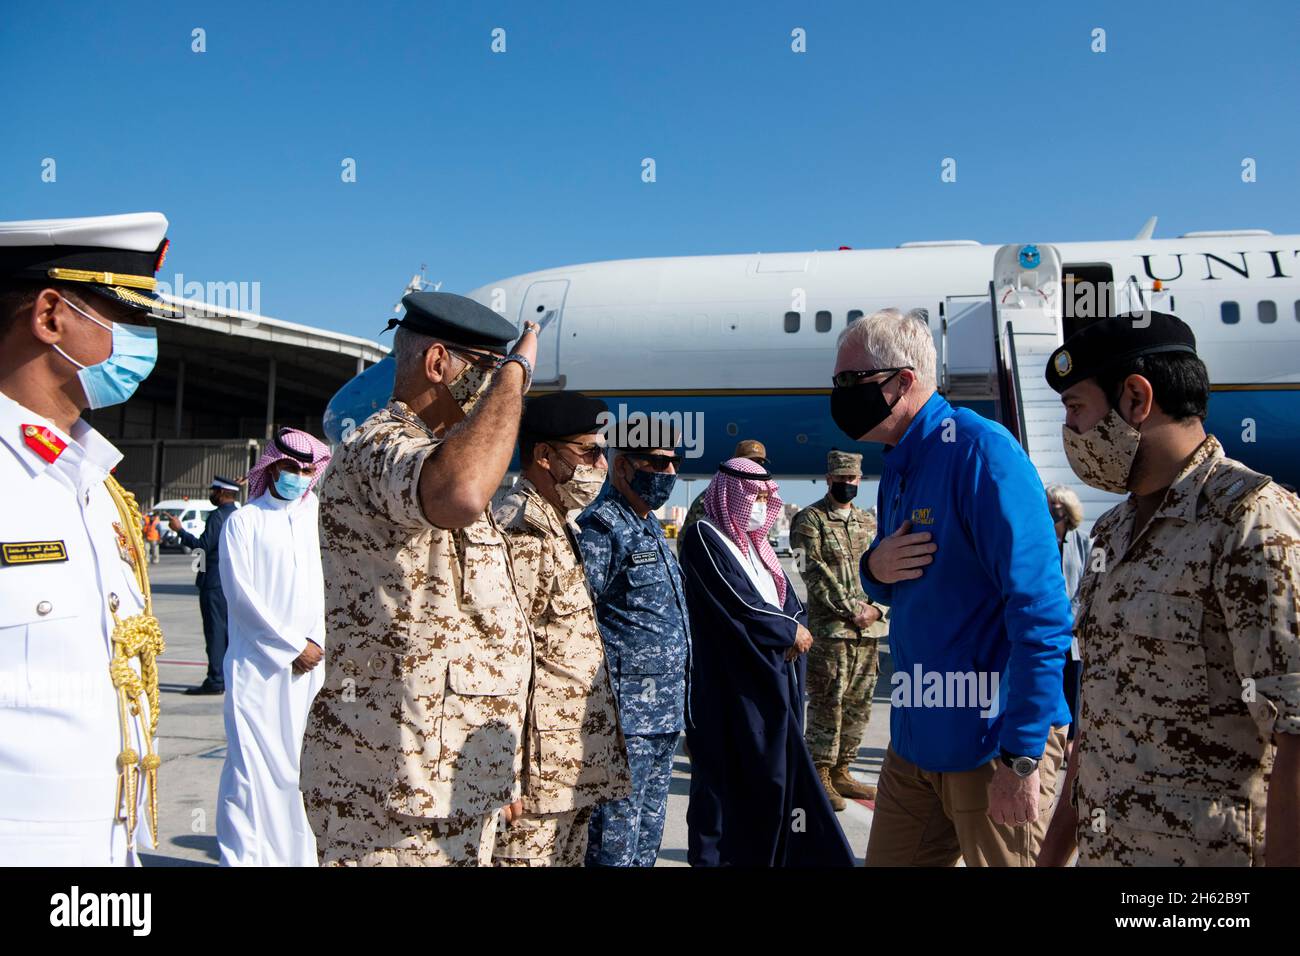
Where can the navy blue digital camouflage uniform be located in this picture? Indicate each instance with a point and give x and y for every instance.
(641, 609)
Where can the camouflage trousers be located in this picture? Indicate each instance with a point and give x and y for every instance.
(543, 839)
(841, 682)
(628, 832)
(392, 839)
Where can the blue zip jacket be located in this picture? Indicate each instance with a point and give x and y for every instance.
(992, 603)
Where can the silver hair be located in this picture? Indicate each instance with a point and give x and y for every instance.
(408, 350)
(892, 338)
(1064, 496)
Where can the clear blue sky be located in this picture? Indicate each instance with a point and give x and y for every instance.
(486, 165)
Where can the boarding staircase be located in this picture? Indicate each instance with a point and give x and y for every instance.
(1023, 315)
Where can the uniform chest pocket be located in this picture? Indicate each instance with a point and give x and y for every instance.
(570, 594)
(42, 632)
(646, 585)
(1162, 672)
(646, 573)
(485, 570)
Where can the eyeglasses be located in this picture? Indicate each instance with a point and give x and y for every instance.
(850, 377)
(658, 462)
(486, 361)
(589, 453)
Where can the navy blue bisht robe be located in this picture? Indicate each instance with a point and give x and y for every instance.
(755, 797)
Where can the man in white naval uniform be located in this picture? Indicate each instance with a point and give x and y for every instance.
(275, 596)
(78, 642)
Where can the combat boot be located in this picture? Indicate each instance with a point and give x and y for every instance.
(846, 786)
(836, 800)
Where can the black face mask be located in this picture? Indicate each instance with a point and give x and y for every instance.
(843, 492)
(857, 409)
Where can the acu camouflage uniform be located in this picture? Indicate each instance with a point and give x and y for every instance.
(1174, 750)
(414, 742)
(844, 660)
(577, 756)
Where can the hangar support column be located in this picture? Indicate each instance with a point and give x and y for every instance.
(270, 398)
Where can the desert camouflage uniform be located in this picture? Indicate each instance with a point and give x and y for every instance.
(577, 756)
(414, 742)
(844, 660)
(1183, 622)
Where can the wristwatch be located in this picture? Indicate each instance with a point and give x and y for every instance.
(526, 365)
(1021, 766)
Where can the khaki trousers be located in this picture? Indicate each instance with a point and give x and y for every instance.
(924, 818)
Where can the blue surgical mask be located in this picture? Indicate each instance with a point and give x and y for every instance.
(290, 485)
(653, 487)
(114, 380)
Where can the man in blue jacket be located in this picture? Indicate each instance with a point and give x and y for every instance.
(966, 558)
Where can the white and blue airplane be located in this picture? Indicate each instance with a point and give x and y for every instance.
(749, 340)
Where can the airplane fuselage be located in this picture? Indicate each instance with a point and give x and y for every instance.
(748, 341)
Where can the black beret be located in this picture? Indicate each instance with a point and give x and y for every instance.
(1109, 342)
(456, 319)
(560, 414)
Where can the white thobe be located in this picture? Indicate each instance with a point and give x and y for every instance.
(759, 574)
(275, 596)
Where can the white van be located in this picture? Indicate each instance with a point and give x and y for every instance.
(193, 514)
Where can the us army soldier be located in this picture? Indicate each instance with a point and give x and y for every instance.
(1189, 620)
(577, 755)
(832, 535)
(413, 745)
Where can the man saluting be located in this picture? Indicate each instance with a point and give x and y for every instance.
(414, 745)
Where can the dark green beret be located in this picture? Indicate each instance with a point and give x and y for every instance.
(560, 414)
(456, 319)
(1110, 342)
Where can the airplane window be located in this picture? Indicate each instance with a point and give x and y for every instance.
(1230, 312)
(1268, 311)
(792, 321)
(823, 321)
(855, 314)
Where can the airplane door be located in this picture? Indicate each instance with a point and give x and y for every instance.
(543, 299)
(966, 348)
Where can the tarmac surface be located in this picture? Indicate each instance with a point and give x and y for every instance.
(192, 739)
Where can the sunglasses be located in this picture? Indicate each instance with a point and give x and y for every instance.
(588, 452)
(851, 377)
(658, 462)
(487, 362)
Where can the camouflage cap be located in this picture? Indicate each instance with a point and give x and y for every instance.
(751, 449)
(843, 463)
